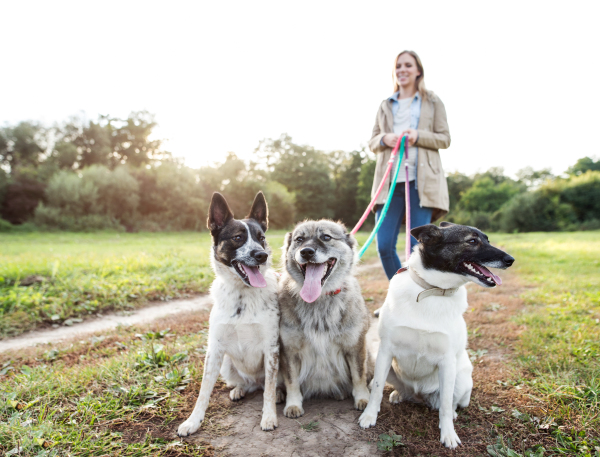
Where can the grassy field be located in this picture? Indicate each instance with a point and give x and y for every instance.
(83, 274)
(91, 398)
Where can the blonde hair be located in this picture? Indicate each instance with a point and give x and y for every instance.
(420, 82)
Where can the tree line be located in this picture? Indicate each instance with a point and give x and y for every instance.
(86, 175)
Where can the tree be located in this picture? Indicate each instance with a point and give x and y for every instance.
(583, 165)
(21, 146)
(458, 184)
(533, 178)
(304, 171)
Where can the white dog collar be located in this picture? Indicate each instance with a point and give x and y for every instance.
(429, 289)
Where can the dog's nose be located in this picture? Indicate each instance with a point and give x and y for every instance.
(260, 256)
(307, 253)
(508, 260)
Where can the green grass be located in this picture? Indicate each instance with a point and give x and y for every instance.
(88, 408)
(86, 274)
(73, 399)
(560, 348)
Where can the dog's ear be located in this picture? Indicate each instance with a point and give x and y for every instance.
(446, 224)
(350, 240)
(219, 213)
(427, 234)
(260, 211)
(286, 244)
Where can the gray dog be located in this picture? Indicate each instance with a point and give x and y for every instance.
(324, 319)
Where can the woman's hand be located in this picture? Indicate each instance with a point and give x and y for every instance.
(390, 140)
(413, 136)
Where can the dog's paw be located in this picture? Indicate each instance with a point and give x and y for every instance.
(449, 438)
(279, 396)
(361, 404)
(188, 427)
(454, 415)
(268, 422)
(395, 397)
(293, 411)
(237, 393)
(367, 419)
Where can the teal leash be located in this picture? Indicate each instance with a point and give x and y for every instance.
(388, 201)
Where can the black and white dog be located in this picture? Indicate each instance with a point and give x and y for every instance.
(423, 334)
(243, 338)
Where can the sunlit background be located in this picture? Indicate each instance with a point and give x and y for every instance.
(519, 79)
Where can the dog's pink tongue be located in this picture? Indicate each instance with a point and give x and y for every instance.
(311, 290)
(254, 276)
(489, 274)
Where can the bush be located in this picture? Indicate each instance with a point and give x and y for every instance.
(488, 196)
(72, 195)
(54, 219)
(538, 211)
(21, 198)
(583, 193)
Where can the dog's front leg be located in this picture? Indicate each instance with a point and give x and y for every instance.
(382, 367)
(212, 365)
(269, 417)
(357, 361)
(447, 377)
(291, 371)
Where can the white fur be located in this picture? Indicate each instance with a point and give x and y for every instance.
(423, 348)
(243, 341)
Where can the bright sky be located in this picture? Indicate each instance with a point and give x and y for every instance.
(520, 79)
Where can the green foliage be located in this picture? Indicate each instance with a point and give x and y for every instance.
(538, 211)
(21, 146)
(388, 441)
(22, 196)
(582, 192)
(502, 449)
(584, 165)
(488, 196)
(458, 184)
(104, 388)
(560, 346)
(305, 171)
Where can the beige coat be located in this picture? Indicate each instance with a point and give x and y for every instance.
(433, 135)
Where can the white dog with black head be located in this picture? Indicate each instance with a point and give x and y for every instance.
(243, 337)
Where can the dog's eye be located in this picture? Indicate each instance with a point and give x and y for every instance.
(300, 239)
(238, 238)
(326, 237)
(472, 241)
(261, 238)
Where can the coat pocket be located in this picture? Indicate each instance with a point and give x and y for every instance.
(433, 159)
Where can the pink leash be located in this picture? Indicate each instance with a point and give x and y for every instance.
(407, 206)
(387, 172)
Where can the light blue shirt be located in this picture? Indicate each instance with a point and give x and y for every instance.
(415, 116)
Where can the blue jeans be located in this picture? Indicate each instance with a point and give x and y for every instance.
(387, 237)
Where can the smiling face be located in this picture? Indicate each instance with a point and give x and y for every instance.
(461, 250)
(407, 71)
(318, 255)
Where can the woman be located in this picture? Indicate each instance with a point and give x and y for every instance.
(420, 114)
